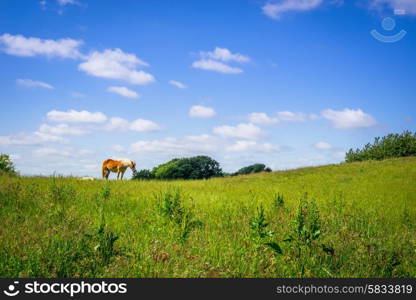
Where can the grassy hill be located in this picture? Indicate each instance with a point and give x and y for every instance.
(349, 220)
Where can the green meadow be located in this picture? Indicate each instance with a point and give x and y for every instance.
(347, 220)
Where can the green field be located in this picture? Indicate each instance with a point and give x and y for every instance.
(348, 220)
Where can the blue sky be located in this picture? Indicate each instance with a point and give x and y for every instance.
(288, 83)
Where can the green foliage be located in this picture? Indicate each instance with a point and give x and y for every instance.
(104, 243)
(275, 246)
(188, 224)
(389, 146)
(197, 167)
(106, 192)
(258, 224)
(171, 206)
(261, 235)
(6, 165)
(143, 174)
(256, 168)
(164, 171)
(61, 193)
(306, 230)
(307, 224)
(279, 200)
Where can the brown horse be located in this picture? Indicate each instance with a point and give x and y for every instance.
(117, 166)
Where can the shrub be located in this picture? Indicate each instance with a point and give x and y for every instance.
(389, 146)
(259, 224)
(197, 167)
(6, 165)
(256, 168)
(171, 207)
(164, 170)
(143, 175)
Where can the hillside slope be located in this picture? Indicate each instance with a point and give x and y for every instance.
(359, 221)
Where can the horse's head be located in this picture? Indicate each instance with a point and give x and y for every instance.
(133, 166)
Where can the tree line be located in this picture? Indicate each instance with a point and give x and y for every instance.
(389, 146)
(197, 167)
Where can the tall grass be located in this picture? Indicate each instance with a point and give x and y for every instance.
(350, 220)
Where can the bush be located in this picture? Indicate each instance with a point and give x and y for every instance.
(163, 170)
(6, 165)
(389, 146)
(256, 168)
(143, 175)
(197, 167)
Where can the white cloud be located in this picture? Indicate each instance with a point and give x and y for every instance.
(140, 125)
(67, 2)
(42, 137)
(349, 118)
(33, 83)
(262, 119)
(46, 151)
(199, 111)
(111, 124)
(178, 84)
(407, 6)
(21, 46)
(117, 123)
(323, 146)
(243, 146)
(276, 10)
(224, 54)
(73, 116)
(289, 116)
(203, 144)
(280, 117)
(62, 129)
(214, 61)
(115, 64)
(178, 146)
(241, 131)
(144, 125)
(66, 152)
(123, 91)
(29, 139)
(212, 65)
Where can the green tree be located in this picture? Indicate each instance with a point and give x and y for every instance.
(163, 171)
(6, 165)
(143, 175)
(197, 167)
(389, 146)
(256, 168)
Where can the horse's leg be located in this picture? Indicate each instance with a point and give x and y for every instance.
(122, 174)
